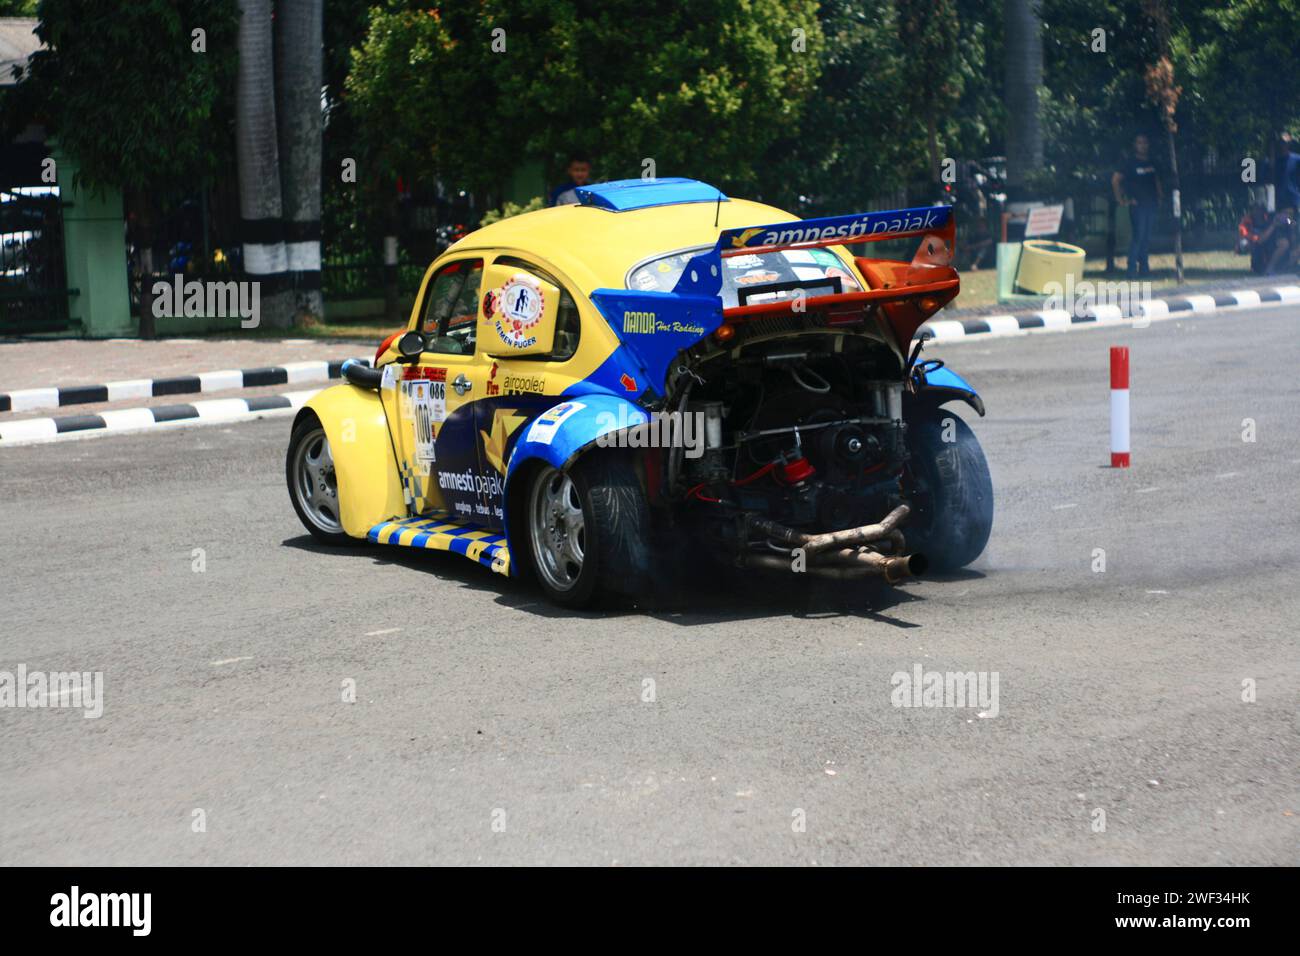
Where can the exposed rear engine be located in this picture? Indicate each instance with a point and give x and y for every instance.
(802, 435)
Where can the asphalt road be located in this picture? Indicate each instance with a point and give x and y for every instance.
(490, 728)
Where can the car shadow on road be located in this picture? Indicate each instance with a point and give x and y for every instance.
(766, 597)
(699, 600)
(305, 542)
(454, 569)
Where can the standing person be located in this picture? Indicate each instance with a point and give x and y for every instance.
(1136, 184)
(579, 170)
(1286, 181)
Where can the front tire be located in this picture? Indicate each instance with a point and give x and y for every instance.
(588, 531)
(313, 484)
(951, 490)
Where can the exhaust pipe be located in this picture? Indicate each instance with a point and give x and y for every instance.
(850, 564)
(817, 543)
(894, 568)
(848, 554)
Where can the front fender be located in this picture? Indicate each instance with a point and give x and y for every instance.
(937, 384)
(357, 429)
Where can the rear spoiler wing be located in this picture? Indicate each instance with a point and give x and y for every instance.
(655, 326)
(907, 293)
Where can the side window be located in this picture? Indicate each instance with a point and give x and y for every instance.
(450, 311)
(568, 322)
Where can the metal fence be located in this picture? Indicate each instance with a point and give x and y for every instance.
(360, 279)
(33, 275)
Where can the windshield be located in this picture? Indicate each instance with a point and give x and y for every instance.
(755, 278)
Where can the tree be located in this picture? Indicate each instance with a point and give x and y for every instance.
(932, 80)
(279, 147)
(124, 90)
(166, 109)
(467, 93)
(701, 89)
(1232, 55)
(1095, 96)
(425, 102)
(1024, 79)
(835, 154)
(864, 132)
(298, 81)
(260, 203)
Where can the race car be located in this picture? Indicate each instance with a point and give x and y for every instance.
(598, 395)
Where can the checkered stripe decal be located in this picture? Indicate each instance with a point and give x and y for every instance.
(413, 487)
(440, 531)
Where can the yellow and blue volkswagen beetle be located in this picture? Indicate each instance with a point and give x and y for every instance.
(593, 393)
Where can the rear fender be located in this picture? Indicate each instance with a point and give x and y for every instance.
(561, 435)
(369, 488)
(936, 385)
(563, 432)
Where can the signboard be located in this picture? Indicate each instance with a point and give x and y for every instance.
(1043, 221)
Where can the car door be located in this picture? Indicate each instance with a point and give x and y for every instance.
(529, 369)
(429, 402)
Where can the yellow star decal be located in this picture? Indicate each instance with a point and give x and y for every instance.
(504, 423)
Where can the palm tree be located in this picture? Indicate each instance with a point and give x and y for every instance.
(298, 81)
(1023, 78)
(260, 207)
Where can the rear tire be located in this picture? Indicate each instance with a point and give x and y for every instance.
(952, 492)
(588, 531)
(313, 485)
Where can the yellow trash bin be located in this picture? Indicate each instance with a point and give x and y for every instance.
(1043, 261)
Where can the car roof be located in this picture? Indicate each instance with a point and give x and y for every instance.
(596, 247)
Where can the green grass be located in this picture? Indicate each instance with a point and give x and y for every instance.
(981, 288)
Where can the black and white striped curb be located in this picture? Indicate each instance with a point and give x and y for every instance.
(291, 373)
(1060, 320)
(212, 411)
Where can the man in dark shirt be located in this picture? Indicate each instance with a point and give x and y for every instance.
(1137, 185)
(1287, 179)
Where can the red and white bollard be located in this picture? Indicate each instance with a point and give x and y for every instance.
(1119, 448)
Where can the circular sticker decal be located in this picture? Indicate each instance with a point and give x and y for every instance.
(519, 304)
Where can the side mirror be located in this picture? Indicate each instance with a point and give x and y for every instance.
(411, 344)
(517, 313)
